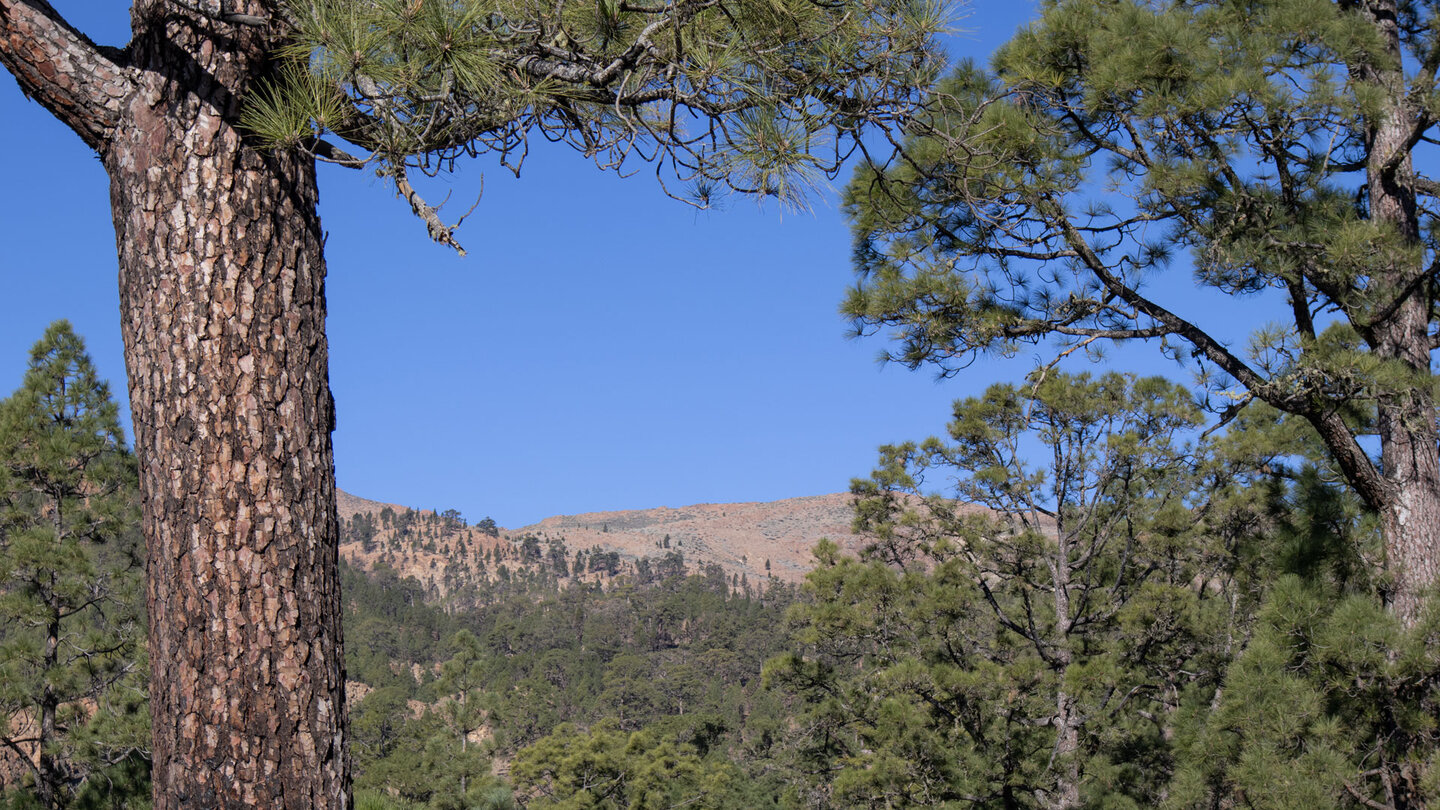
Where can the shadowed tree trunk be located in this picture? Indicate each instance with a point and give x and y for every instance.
(222, 287)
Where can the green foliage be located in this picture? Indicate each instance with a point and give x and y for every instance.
(1267, 150)
(1332, 704)
(125, 783)
(758, 96)
(71, 625)
(378, 800)
(1201, 618)
(609, 769)
(1140, 620)
(1229, 130)
(1029, 658)
(461, 681)
(678, 657)
(389, 627)
(377, 722)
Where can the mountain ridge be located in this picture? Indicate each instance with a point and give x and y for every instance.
(756, 541)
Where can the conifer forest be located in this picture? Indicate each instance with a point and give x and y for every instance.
(1092, 587)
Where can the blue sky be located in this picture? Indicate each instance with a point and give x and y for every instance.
(602, 346)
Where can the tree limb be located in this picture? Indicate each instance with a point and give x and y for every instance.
(1354, 462)
(221, 15)
(330, 153)
(1365, 800)
(439, 231)
(79, 82)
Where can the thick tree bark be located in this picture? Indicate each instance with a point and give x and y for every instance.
(222, 284)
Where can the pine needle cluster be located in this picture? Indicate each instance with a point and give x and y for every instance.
(755, 96)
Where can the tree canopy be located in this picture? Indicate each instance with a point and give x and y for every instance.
(1014, 639)
(755, 96)
(209, 122)
(1268, 147)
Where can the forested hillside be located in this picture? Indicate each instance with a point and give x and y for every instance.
(541, 668)
(463, 563)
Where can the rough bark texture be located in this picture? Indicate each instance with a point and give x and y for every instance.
(1399, 332)
(222, 282)
(81, 84)
(1410, 517)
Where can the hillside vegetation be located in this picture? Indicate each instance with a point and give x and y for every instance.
(1142, 617)
(463, 563)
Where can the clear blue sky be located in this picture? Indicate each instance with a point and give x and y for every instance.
(602, 346)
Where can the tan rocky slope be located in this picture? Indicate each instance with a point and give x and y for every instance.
(743, 538)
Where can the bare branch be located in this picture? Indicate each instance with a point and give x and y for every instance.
(1229, 414)
(439, 231)
(1424, 185)
(330, 153)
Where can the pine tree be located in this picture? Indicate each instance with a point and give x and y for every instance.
(1331, 704)
(1019, 641)
(1330, 701)
(462, 679)
(607, 768)
(70, 571)
(1279, 143)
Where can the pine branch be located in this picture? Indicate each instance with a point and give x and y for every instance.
(1353, 460)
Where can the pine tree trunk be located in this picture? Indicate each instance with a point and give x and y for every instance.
(1065, 757)
(222, 284)
(1410, 458)
(47, 773)
(1066, 753)
(1398, 330)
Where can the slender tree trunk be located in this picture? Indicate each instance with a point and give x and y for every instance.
(47, 774)
(222, 286)
(1065, 757)
(1398, 330)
